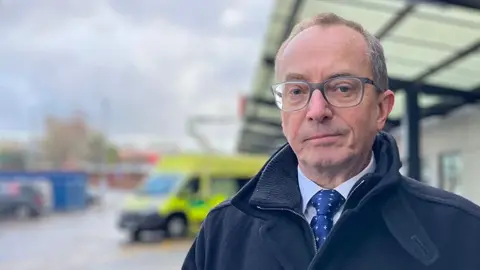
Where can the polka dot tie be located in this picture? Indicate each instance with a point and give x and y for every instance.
(326, 203)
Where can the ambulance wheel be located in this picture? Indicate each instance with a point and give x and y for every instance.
(176, 226)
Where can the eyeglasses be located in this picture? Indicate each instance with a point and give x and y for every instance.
(341, 92)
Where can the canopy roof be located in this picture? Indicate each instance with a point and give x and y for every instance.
(431, 48)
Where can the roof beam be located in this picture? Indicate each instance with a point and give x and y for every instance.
(258, 141)
(445, 108)
(402, 14)
(475, 4)
(449, 61)
(441, 109)
(263, 101)
(469, 96)
(270, 135)
(269, 60)
(255, 147)
(397, 84)
(291, 20)
(265, 122)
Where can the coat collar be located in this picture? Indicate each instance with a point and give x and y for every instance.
(276, 186)
(277, 183)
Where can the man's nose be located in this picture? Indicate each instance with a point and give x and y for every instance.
(318, 109)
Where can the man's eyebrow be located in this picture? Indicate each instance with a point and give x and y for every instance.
(294, 76)
(298, 76)
(342, 74)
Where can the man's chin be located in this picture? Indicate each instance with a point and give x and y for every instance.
(326, 157)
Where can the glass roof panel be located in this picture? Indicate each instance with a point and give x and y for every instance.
(407, 61)
(270, 113)
(426, 55)
(400, 70)
(393, 4)
(278, 23)
(371, 19)
(469, 16)
(462, 75)
(455, 78)
(414, 26)
(470, 63)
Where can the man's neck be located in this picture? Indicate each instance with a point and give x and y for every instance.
(334, 176)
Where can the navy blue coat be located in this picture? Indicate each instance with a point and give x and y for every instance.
(390, 222)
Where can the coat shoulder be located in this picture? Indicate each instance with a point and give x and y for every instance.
(223, 218)
(440, 198)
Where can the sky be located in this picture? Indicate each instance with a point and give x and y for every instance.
(154, 63)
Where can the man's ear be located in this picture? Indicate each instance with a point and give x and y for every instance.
(386, 101)
(283, 126)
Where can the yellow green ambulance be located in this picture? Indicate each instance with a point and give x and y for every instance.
(178, 194)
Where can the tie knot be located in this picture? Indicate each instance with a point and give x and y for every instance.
(327, 201)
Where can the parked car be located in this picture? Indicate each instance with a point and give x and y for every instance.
(20, 200)
(93, 196)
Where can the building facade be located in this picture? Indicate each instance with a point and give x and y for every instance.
(450, 150)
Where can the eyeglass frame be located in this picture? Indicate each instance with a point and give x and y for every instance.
(321, 87)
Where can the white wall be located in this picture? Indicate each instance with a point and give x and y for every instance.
(458, 131)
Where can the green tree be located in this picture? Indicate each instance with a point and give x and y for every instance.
(12, 160)
(101, 150)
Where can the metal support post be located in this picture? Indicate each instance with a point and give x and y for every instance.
(412, 126)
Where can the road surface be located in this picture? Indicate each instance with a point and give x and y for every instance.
(85, 240)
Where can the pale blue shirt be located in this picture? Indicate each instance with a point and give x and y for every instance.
(308, 188)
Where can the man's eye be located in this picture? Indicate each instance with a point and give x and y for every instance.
(343, 88)
(296, 91)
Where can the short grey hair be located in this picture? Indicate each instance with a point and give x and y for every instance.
(374, 48)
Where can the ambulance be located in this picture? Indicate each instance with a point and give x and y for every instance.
(178, 194)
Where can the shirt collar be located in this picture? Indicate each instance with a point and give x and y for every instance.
(308, 188)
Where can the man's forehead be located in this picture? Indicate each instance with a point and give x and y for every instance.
(332, 47)
(326, 37)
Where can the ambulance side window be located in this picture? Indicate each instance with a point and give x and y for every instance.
(193, 186)
(227, 186)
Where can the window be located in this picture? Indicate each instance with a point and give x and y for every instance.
(160, 184)
(425, 170)
(193, 186)
(450, 166)
(227, 186)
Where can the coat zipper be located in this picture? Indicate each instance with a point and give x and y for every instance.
(312, 236)
(353, 191)
(303, 217)
(297, 214)
(341, 220)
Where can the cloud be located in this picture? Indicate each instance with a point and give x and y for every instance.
(156, 62)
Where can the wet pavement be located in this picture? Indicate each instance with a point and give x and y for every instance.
(85, 240)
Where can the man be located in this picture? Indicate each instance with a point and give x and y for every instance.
(333, 197)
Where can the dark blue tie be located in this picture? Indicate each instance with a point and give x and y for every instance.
(326, 203)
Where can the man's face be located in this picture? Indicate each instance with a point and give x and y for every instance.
(322, 135)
